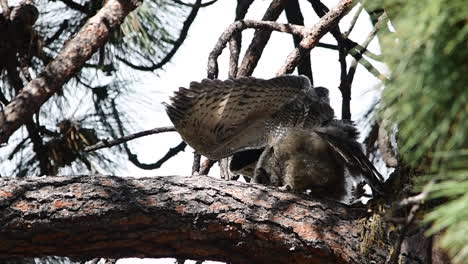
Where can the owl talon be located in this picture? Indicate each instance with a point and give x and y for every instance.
(286, 188)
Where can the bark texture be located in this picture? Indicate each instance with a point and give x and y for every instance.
(187, 217)
(91, 37)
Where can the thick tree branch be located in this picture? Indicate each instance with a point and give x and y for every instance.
(70, 60)
(174, 216)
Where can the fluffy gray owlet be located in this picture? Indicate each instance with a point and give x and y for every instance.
(304, 146)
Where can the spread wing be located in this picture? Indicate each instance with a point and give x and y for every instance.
(218, 118)
(341, 137)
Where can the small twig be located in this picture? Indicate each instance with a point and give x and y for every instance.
(76, 6)
(327, 46)
(354, 20)
(198, 5)
(417, 199)
(110, 143)
(325, 24)
(241, 25)
(58, 33)
(369, 67)
(152, 166)
(345, 91)
(345, 88)
(176, 44)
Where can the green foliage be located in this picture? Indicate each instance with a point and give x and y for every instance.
(428, 98)
(100, 99)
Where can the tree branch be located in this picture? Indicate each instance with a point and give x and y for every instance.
(109, 143)
(173, 216)
(151, 166)
(238, 26)
(235, 43)
(198, 5)
(176, 45)
(294, 16)
(325, 24)
(76, 6)
(70, 60)
(260, 39)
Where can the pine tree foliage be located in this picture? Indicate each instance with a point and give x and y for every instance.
(428, 98)
(97, 102)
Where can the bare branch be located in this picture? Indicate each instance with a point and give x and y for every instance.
(76, 6)
(260, 39)
(345, 87)
(325, 24)
(79, 49)
(353, 21)
(241, 25)
(110, 143)
(294, 16)
(151, 166)
(176, 45)
(235, 43)
(198, 5)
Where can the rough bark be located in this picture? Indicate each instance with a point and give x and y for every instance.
(199, 217)
(79, 49)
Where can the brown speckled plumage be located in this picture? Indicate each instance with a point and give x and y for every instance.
(285, 114)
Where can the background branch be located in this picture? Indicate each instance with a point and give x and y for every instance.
(109, 143)
(294, 16)
(325, 24)
(175, 45)
(260, 39)
(238, 26)
(70, 60)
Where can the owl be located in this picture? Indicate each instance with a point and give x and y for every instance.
(280, 131)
